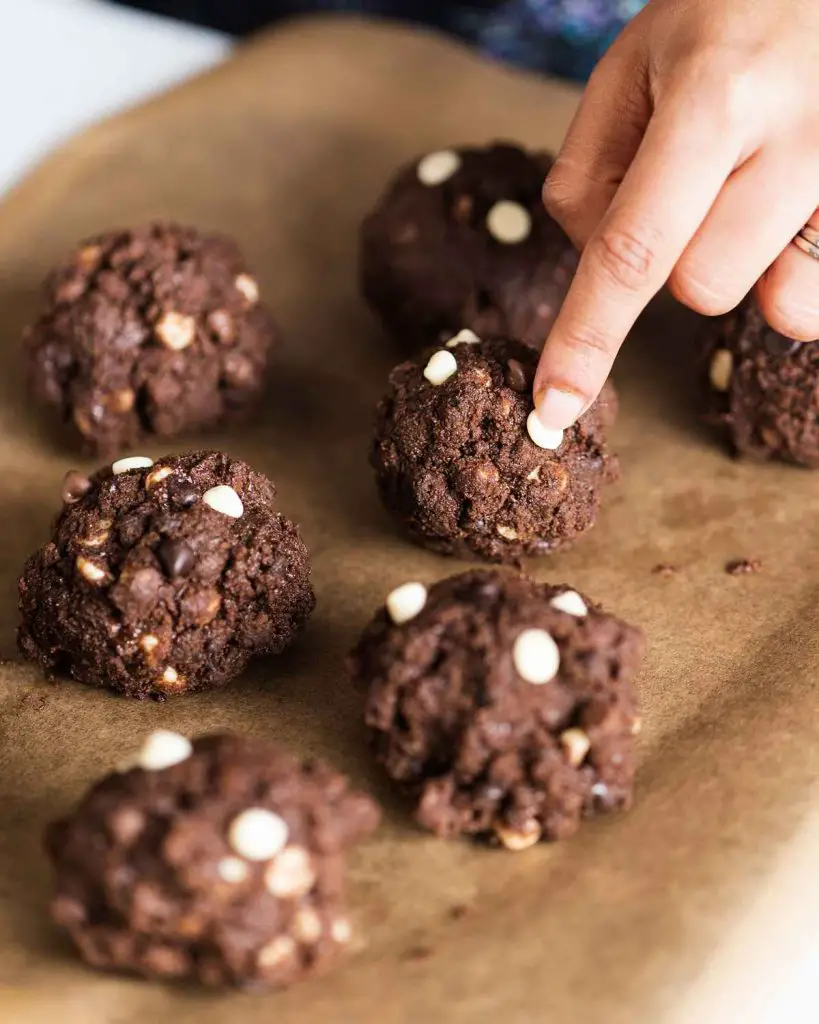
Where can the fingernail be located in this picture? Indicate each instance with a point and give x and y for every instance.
(558, 409)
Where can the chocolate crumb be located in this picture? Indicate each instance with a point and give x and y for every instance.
(743, 566)
(459, 911)
(417, 953)
(665, 570)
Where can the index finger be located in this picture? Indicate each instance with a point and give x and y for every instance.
(684, 160)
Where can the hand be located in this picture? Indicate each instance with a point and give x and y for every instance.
(694, 160)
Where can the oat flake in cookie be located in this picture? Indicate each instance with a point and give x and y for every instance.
(505, 707)
(220, 861)
(457, 465)
(462, 239)
(761, 388)
(148, 333)
(165, 578)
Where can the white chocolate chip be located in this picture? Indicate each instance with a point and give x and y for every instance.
(121, 401)
(600, 790)
(232, 870)
(277, 952)
(247, 286)
(291, 874)
(441, 366)
(341, 931)
(163, 749)
(257, 834)
(465, 337)
(536, 656)
(170, 677)
(534, 476)
(509, 222)
(406, 601)
(225, 500)
(307, 928)
(507, 532)
(176, 331)
(722, 366)
(89, 255)
(576, 744)
(571, 603)
(519, 840)
(148, 642)
(93, 573)
(158, 475)
(543, 438)
(436, 168)
(132, 462)
(99, 537)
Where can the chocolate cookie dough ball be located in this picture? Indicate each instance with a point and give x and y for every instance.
(761, 389)
(461, 464)
(461, 238)
(148, 333)
(505, 707)
(220, 861)
(164, 578)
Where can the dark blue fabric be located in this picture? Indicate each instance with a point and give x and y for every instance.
(564, 37)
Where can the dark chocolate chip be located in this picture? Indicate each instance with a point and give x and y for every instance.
(176, 557)
(182, 493)
(776, 344)
(75, 486)
(516, 378)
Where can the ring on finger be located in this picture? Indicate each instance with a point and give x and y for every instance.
(808, 241)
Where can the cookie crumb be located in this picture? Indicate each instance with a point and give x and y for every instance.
(417, 953)
(743, 566)
(665, 570)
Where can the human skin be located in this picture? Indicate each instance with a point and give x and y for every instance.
(693, 161)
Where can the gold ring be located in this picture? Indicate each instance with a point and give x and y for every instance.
(808, 241)
(810, 234)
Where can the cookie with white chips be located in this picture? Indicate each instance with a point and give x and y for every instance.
(164, 578)
(461, 238)
(504, 707)
(463, 464)
(760, 390)
(219, 861)
(149, 332)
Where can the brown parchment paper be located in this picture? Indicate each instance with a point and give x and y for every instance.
(641, 916)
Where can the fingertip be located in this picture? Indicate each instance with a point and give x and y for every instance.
(558, 408)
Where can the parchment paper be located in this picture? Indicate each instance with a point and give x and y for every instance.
(286, 147)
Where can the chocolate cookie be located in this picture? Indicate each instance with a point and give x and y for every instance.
(148, 333)
(761, 389)
(163, 578)
(461, 238)
(504, 707)
(220, 861)
(458, 468)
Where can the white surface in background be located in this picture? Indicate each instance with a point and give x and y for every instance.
(66, 63)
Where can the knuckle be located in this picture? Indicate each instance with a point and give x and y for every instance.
(627, 257)
(693, 289)
(586, 339)
(724, 85)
